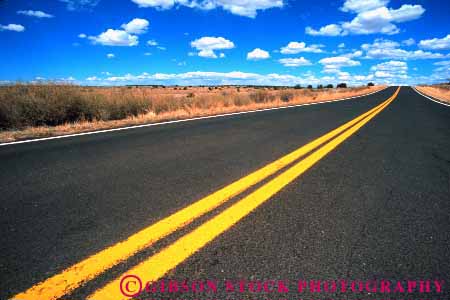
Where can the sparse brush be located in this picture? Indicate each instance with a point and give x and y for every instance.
(78, 108)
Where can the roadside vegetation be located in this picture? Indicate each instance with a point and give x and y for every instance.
(37, 110)
(438, 91)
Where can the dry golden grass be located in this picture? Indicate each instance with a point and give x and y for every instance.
(48, 110)
(440, 92)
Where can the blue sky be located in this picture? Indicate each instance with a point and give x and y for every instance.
(281, 42)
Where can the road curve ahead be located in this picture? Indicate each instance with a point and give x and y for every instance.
(350, 190)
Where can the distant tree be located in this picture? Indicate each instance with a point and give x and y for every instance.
(329, 86)
(309, 86)
(342, 85)
(298, 86)
(319, 86)
(185, 88)
(370, 84)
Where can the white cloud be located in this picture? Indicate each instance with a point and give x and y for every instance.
(240, 78)
(341, 45)
(136, 26)
(334, 64)
(362, 5)
(406, 12)
(160, 4)
(82, 36)
(357, 53)
(328, 30)
(436, 43)
(34, 13)
(206, 45)
(442, 63)
(152, 43)
(247, 8)
(213, 78)
(112, 37)
(161, 48)
(387, 49)
(93, 78)
(295, 62)
(80, 4)
(119, 37)
(409, 42)
(147, 54)
(110, 55)
(258, 54)
(339, 61)
(297, 47)
(391, 69)
(372, 17)
(442, 72)
(12, 27)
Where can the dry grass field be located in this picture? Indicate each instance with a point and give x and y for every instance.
(44, 110)
(441, 92)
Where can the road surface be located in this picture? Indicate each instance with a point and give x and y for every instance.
(367, 200)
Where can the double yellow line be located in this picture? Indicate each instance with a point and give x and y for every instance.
(159, 264)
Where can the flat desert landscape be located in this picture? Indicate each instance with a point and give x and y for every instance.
(43, 110)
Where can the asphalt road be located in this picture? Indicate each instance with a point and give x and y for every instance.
(377, 206)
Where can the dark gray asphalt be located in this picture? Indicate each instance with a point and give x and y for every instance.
(376, 207)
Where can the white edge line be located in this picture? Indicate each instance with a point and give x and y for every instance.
(442, 102)
(179, 121)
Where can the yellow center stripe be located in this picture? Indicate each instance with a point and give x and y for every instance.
(89, 268)
(159, 264)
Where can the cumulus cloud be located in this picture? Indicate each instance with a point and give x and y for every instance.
(335, 63)
(387, 49)
(136, 26)
(372, 17)
(357, 53)
(391, 69)
(127, 36)
(82, 36)
(436, 43)
(442, 71)
(247, 8)
(212, 78)
(110, 55)
(12, 27)
(409, 42)
(34, 13)
(341, 45)
(328, 30)
(207, 45)
(295, 62)
(80, 4)
(239, 78)
(112, 37)
(297, 47)
(258, 54)
(362, 5)
(152, 43)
